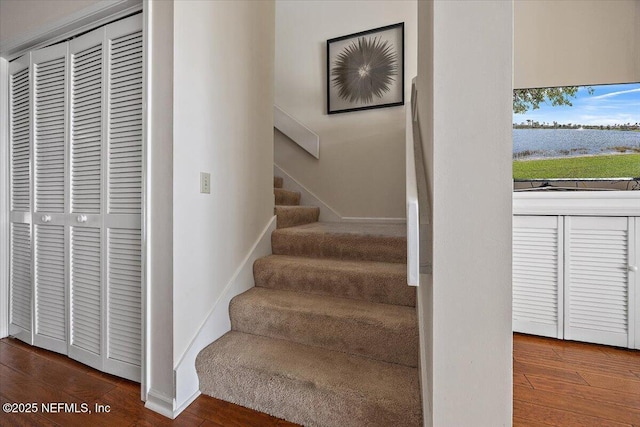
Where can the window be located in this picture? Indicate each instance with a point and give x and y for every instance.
(590, 137)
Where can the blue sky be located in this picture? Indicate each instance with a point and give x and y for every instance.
(608, 105)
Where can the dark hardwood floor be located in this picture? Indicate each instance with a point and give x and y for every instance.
(32, 375)
(564, 383)
(555, 383)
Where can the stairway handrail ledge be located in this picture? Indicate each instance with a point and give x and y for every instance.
(413, 216)
(296, 131)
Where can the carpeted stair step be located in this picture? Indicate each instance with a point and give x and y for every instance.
(277, 182)
(286, 197)
(380, 331)
(348, 241)
(381, 282)
(309, 385)
(290, 216)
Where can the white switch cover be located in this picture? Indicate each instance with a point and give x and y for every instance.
(205, 182)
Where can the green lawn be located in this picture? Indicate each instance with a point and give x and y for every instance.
(606, 166)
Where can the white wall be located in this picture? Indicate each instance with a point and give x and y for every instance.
(465, 114)
(361, 168)
(424, 86)
(223, 124)
(159, 199)
(576, 42)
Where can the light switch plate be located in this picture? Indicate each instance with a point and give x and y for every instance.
(205, 182)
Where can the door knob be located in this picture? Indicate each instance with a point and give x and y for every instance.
(82, 218)
(633, 268)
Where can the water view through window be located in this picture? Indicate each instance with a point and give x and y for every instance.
(598, 136)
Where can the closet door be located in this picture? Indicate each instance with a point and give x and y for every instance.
(538, 275)
(76, 198)
(86, 169)
(597, 287)
(49, 142)
(106, 193)
(123, 198)
(20, 282)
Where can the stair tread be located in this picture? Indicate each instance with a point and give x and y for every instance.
(350, 228)
(296, 207)
(309, 385)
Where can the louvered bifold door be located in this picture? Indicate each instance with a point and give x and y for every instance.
(537, 275)
(124, 198)
(597, 299)
(49, 146)
(20, 265)
(86, 146)
(76, 170)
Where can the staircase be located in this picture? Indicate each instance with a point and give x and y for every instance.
(329, 334)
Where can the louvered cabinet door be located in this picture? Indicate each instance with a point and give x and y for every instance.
(597, 280)
(124, 198)
(86, 147)
(537, 275)
(49, 148)
(20, 265)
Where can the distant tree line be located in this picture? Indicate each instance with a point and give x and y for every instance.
(532, 124)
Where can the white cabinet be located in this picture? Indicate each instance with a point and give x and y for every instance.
(574, 277)
(537, 275)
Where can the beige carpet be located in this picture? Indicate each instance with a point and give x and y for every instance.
(328, 337)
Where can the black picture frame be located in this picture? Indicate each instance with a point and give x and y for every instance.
(365, 70)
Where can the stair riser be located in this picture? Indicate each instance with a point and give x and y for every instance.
(277, 182)
(287, 198)
(389, 342)
(292, 217)
(386, 288)
(347, 247)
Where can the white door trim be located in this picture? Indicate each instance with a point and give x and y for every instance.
(93, 16)
(4, 197)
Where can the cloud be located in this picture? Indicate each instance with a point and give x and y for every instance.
(609, 95)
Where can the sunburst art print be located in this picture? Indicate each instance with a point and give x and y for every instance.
(366, 70)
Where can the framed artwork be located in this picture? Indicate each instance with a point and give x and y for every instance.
(366, 70)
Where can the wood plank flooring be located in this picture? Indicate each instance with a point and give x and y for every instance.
(564, 383)
(555, 383)
(29, 374)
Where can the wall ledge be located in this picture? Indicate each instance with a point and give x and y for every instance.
(581, 203)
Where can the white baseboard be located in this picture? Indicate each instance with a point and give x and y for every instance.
(160, 403)
(217, 322)
(327, 213)
(185, 404)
